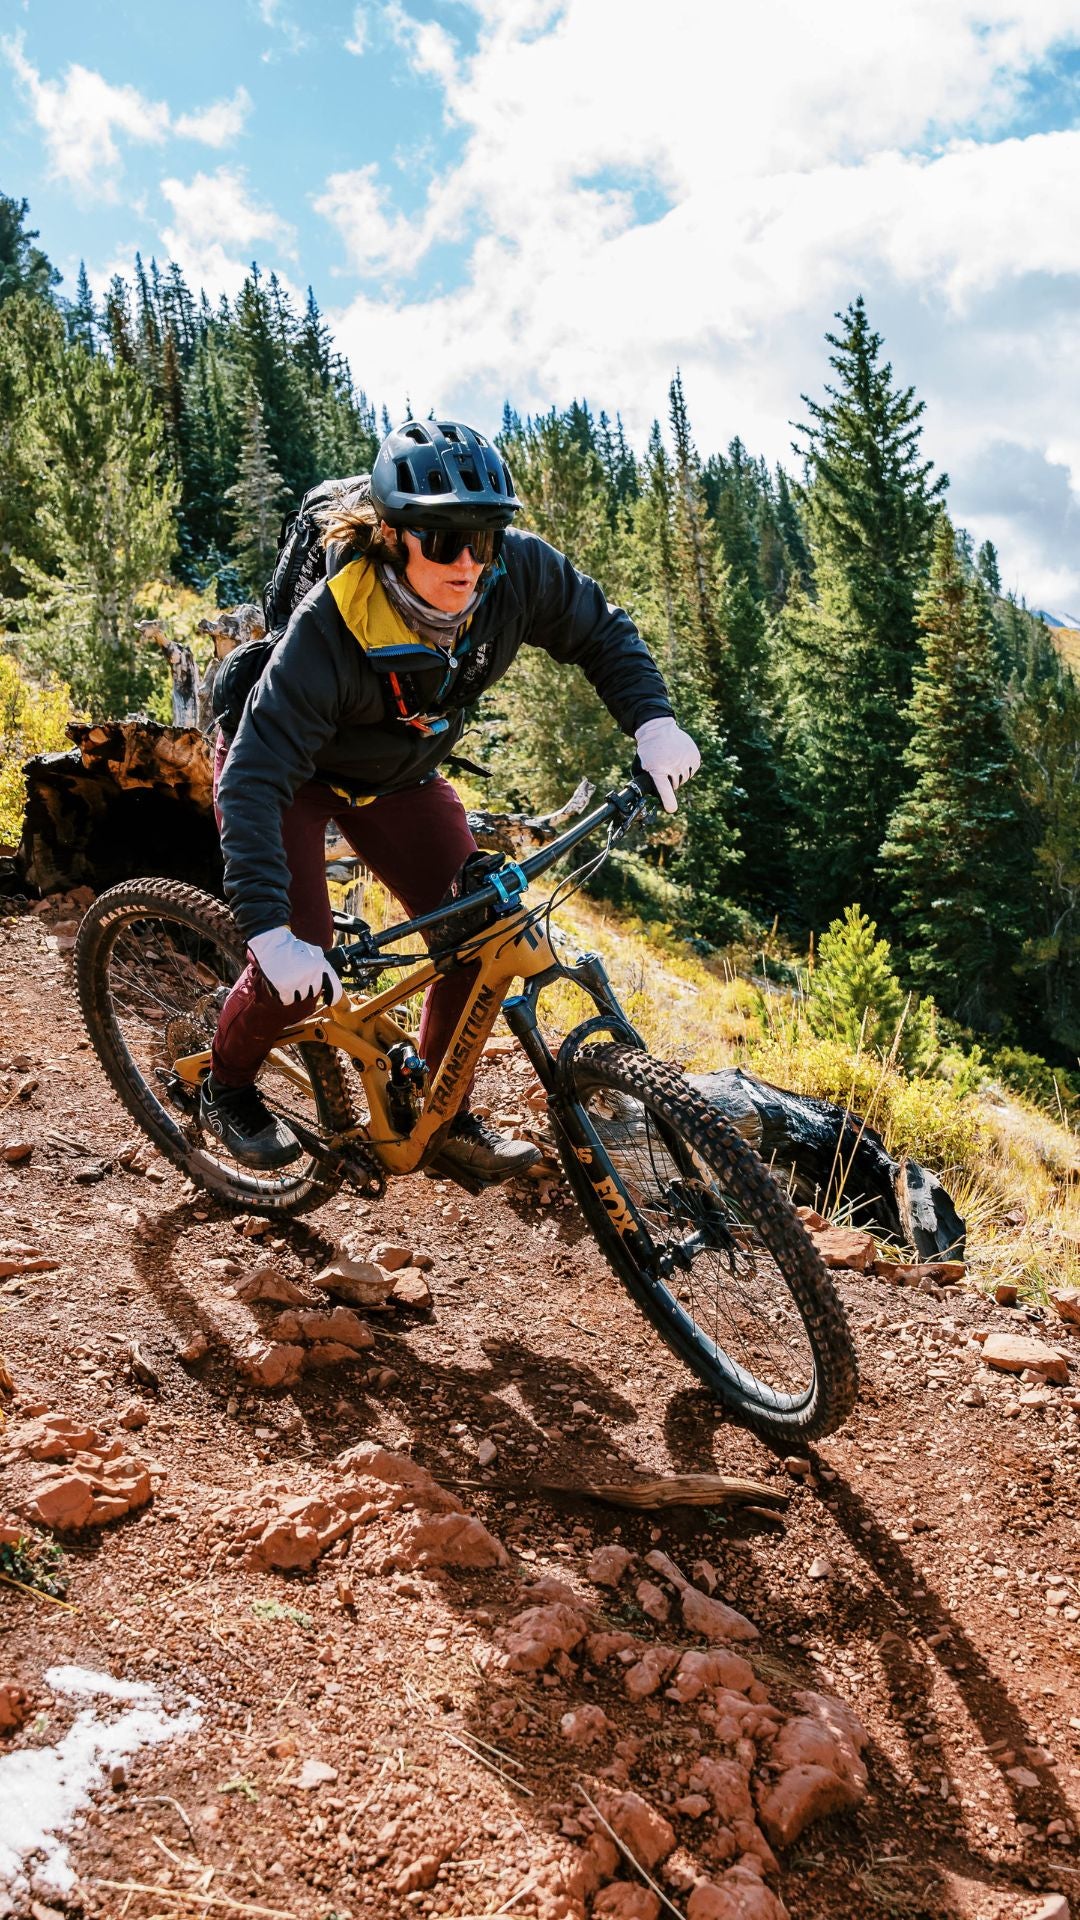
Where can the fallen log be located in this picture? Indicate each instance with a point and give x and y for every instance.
(826, 1155)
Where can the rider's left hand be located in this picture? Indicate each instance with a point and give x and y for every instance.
(669, 756)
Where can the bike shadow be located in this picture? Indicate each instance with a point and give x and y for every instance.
(921, 1647)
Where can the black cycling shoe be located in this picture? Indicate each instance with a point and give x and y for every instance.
(240, 1118)
(478, 1154)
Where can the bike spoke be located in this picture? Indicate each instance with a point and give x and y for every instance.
(712, 1262)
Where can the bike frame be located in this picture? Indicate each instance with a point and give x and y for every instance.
(515, 946)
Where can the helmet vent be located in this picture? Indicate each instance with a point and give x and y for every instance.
(470, 478)
(437, 482)
(451, 431)
(404, 477)
(417, 433)
(494, 480)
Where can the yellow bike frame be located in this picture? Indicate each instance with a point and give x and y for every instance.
(515, 947)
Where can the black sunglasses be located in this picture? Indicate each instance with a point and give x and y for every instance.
(443, 545)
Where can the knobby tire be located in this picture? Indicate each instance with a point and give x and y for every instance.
(681, 1120)
(209, 920)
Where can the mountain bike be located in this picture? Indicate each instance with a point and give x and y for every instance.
(705, 1241)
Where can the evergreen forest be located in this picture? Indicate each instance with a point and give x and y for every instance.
(880, 727)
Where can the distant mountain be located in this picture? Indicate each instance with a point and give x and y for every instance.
(1057, 619)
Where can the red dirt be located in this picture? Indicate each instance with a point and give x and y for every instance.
(925, 1572)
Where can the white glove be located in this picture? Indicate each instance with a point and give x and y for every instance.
(669, 755)
(295, 968)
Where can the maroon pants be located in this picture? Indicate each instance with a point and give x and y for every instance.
(414, 841)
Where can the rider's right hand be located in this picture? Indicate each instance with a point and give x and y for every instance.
(295, 968)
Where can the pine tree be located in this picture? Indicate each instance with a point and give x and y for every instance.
(986, 562)
(955, 856)
(23, 267)
(850, 651)
(854, 995)
(81, 315)
(105, 502)
(256, 498)
(1046, 727)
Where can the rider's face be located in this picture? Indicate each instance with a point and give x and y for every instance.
(448, 589)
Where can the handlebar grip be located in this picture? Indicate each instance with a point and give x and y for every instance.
(645, 780)
(336, 957)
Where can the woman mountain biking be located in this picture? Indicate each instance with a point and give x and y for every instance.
(429, 593)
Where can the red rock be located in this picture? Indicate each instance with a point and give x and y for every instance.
(549, 1587)
(196, 1349)
(652, 1601)
(15, 1151)
(714, 1619)
(330, 1353)
(266, 1285)
(1066, 1303)
(801, 1795)
(390, 1256)
(943, 1273)
(605, 1646)
(410, 1289)
(12, 1264)
(1013, 1352)
(819, 1753)
(14, 1706)
(106, 1507)
(583, 1726)
(64, 1503)
(361, 1282)
(445, 1540)
(419, 1873)
(728, 1787)
(737, 1896)
(621, 1900)
(134, 1415)
(272, 1365)
(648, 1674)
(532, 1639)
(606, 1565)
(313, 1324)
(55, 1436)
(844, 1247)
(649, 1837)
(814, 1222)
(698, 1670)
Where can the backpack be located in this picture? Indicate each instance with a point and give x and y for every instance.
(301, 561)
(300, 565)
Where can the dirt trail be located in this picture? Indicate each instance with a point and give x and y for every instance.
(927, 1571)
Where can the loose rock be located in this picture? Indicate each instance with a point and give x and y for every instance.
(359, 1282)
(410, 1289)
(1012, 1352)
(606, 1565)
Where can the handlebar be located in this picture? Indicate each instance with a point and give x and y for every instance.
(622, 806)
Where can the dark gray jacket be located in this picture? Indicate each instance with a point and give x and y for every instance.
(319, 709)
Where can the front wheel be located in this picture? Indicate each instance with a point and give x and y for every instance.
(706, 1243)
(154, 962)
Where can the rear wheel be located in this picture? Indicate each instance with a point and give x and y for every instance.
(706, 1243)
(154, 962)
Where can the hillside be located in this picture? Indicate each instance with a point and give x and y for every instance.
(359, 1736)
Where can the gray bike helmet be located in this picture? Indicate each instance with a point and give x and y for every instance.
(440, 473)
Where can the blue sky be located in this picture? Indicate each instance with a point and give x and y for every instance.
(543, 199)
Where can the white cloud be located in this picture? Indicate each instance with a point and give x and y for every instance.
(431, 50)
(217, 227)
(273, 14)
(78, 117)
(217, 124)
(793, 156)
(358, 36)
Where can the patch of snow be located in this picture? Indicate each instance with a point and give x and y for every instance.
(79, 1681)
(42, 1789)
